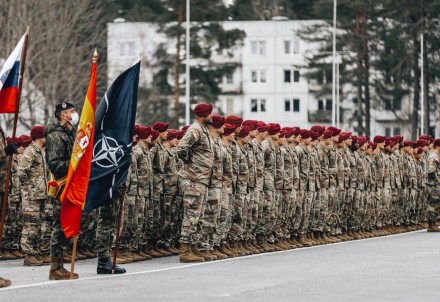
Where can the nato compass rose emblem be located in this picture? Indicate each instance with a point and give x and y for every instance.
(107, 153)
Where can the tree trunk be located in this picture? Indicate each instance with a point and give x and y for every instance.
(416, 97)
(426, 88)
(359, 56)
(177, 65)
(367, 129)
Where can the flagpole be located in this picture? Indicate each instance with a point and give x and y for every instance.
(121, 208)
(72, 263)
(14, 130)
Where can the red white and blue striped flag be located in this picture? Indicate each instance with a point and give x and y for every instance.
(9, 77)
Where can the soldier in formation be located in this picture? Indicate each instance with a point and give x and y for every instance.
(222, 188)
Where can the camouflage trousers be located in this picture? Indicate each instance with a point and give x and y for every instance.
(37, 227)
(171, 208)
(106, 226)
(157, 214)
(355, 211)
(141, 210)
(252, 215)
(225, 216)
(320, 211)
(332, 219)
(13, 226)
(58, 241)
(128, 239)
(278, 215)
(433, 204)
(287, 200)
(296, 213)
(346, 203)
(240, 206)
(264, 224)
(400, 207)
(87, 237)
(194, 203)
(209, 220)
(309, 197)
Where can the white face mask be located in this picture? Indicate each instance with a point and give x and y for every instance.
(74, 119)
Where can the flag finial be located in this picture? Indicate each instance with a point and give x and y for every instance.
(95, 56)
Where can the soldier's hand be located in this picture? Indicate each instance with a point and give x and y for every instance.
(10, 149)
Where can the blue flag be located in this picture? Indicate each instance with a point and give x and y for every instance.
(114, 127)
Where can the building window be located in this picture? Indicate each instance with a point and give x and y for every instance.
(296, 76)
(228, 78)
(320, 105)
(254, 76)
(295, 105)
(291, 105)
(263, 76)
(325, 104)
(387, 131)
(287, 76)
(287, 105)
(396, 131)
(329, 105)
(295, 46)
(287, 47)
(258, 105)
(127, 49)
(258, 47)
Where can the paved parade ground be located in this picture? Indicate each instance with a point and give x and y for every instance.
(404, 267)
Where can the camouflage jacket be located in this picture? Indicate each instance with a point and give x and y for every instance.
(196, 151)
(370, 177)
(279, 168)
(158, 153)
(145, 170)
(269, 165)
(170, 170)
(304, 166)
(361, 171)
(323, 156)
(227, 169)
(132, 177)
(33, 172)
(352, 160)
(434, 170)
(252, 165)
(295, 164)
(259, 164)
(379, 161)
(3, 161)
(15, 189)
(332, 166)
(217, 168)
(235, 152)
(388, 171)
(315, 176)
(59, 145)
(395, 177)
(288, 168)
(242, 185)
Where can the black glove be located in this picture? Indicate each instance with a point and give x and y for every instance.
(11, 149)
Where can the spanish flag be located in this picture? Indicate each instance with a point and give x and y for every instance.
(75, 191)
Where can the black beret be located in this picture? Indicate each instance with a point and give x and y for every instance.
(63, 106)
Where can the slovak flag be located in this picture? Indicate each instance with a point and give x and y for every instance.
(9, 77)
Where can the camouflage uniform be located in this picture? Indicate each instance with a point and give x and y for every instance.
(144, 207)
(252, 208)
(196, 151)
(259, 182)
(296, 208)
(320, 212)
(59, 144)
(343, 183)
(171, 192)
(158, 153)
(106, 225)
(380, 208)
(433, 186)
(287, 192)
(241, 199)
(13, 226)
(225, 215)
(37, 211)
(277, 209)
(332, 189)
(304, 194)
(209, 220)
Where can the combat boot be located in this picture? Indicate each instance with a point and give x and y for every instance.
(136, 257)
(58, 272)
(303, 241)
(222, 249)
(45, 258)
(244, 248)
(296, 243)
(204, 254)
(249, 248)
(88, 253)
(172, 250)
(8, 256)
(4, 282)
(144, 256)
(252, 247)
(257, 247)
(220, 255)
(432, 227)
(105, 266)
(163, 252)
(120, 260)
(17, 254)
(151, 250)
(80, 256)
(30, 260)
(186, 254)
(236, 249)
(125, 256)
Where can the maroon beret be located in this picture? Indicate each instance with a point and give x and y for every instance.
(184, 128)
(354, 138)
(314, 135)
(229, 129)
(304, 133)
(296, 131)
(261, 126)
(203, 109)
(136, 129)
(437, 142)
(426, 137)
(344, 136)
(419, 150)
(422, 142)
(160, 126)
(362, 140)
(335, 131)
(218, 121)
(37, 132)
(244, 131)
(407, 144)
(379, 139)
(289, 132)
(26, 140)
(319, 129)
(180, 135)
(144, 132)
(234, 120)
(273, 128)
(327, 133)
(253, 125)
(172, 134)
(154, 134)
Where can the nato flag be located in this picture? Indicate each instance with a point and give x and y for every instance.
(114, 123)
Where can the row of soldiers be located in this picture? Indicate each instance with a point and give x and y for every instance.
(224, 187)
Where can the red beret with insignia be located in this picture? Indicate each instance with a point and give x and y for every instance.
(37, 132)
(229, 129)
(203, 109)
(379, 139)
(144, 132)
(244, 132)
(160, 126)
(273, 128)
(234, 120)
(218, 121)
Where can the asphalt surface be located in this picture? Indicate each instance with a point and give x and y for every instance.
(404, 267)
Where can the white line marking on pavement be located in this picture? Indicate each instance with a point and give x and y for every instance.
(192, 265)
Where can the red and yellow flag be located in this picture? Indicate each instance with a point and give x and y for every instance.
(75, 191)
